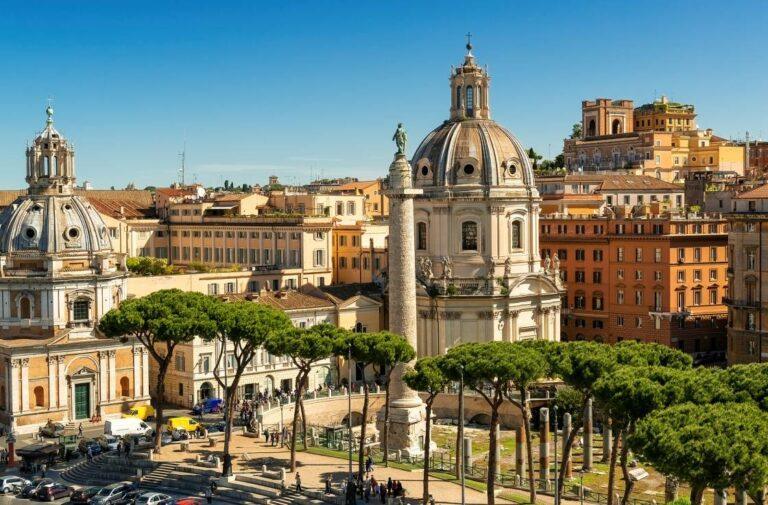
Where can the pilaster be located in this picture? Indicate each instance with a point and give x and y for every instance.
(103, 379)
(136, 371)
(144, 373)
(62, 377)
(112, 375)
(24, 362)
(52, 397)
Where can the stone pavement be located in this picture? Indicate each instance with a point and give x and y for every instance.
(251, 453)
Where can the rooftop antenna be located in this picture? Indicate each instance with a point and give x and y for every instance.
(183, 169)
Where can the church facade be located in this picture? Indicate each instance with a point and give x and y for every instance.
(58, 276)
(476, 229)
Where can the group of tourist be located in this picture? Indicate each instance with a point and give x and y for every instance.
(368, 488)
(275, 437)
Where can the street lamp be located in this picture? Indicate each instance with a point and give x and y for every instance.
(349, 405)
(282, 425)
(460, 448)
(557, 488)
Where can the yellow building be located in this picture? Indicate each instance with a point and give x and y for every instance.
(359, 252)
(376, 202)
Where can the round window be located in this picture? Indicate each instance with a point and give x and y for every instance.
(73, 233)
(30, 233)
(67, 206)
(424, 171)
(469, 169)
(512, 170)
(36, 208)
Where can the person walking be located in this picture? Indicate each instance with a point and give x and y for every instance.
(90, 454)
(208, 495)
(80, 430)
(298, 482)
(389, 485)
(327, 485)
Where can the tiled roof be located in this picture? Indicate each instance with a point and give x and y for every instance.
(139, 198)
(758, 192)
(284, 300)
(231, 197)
(347, 291)
(122, 208)
(635, 182)
(357, 185)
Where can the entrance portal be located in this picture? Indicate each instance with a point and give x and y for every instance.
(82, 401)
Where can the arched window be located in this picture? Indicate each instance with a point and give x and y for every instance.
(516, 240)
(81, 310)
(125, 387)
(470, 99)
(25, 308)
(469, 236)
(421, 236)
(616, 127)
(46, 166)
(591, 129)
(458, 97)
(55, 165)
(39, 393)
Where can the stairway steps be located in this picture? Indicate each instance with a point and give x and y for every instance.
(260, 480)
(249, 487)
(243, 496)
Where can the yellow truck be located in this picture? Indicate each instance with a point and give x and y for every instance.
(143, 412)
(183, 423)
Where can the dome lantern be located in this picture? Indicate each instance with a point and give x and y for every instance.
(50, 161)
(469, 89)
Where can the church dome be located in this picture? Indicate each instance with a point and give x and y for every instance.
(51, 224)
(470, 151)
(52, 219)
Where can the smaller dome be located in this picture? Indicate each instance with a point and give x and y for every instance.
(52, 224)
(470, 153)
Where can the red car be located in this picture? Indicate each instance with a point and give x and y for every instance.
(55, 492)
(191, 500)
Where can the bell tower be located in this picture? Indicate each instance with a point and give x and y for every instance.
(50, 162)
(469, 89)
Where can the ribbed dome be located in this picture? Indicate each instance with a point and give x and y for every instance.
(52, 224)
(471, 152)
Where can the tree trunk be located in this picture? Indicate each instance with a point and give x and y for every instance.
(361, 452)
(612, 465)
(629, 484)
(528, 446)
(303, 424)
(697, 493)
(159, 400)
(427, 437)
(385, 433)
(566, 455)
(490, 480)
(460, 435)
(229, 407)
(295, 422)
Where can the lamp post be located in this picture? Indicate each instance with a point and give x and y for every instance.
(557, 488)
(349, 405)
(581, 486)
(282, 425)
(460, 447)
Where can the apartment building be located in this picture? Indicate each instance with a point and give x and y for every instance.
(376, 202)
(650, 276)
(343, 208)
(359, 252)
(748, 271)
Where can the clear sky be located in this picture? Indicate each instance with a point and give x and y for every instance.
(303, 88)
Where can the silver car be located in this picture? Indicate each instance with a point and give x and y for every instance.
(154, 499)
(12, 484)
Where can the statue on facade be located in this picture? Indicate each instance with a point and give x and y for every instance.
(555, 263)
(490, 267)
(447, 268)
(547, 263)
(425, 265)
(401, 138)
(508, 267)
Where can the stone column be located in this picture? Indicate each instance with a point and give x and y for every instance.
(62, 377)
(103, 379)
(144, 373)
(544, 446)
(24, 384)
(112, 375)
(566, 433)
(137, 371)
(406, 418)
(520, 453)
(13, 371)
(607, 440)
(467, 453)
(588, 436)
(52, 397)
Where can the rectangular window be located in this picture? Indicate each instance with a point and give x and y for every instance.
(620, 254)
(580, 276)
(469, 236)
(597, 255)
(712, 274)
(681, 276)
(205, 363)
(697, 275)
(697, 254)
(213, 289)
(579, 254)
(81, 310)
(597, 277)
(319, 257)
(713, 297)
(696, 297)
(713, 253)
(657, 255)
(181, 389)
(229, 287)
(638, 254)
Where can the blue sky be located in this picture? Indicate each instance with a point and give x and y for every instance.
(304, 88)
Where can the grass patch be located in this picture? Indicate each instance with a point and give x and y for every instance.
(323, 451)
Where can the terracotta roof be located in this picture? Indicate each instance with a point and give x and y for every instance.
(357, 185)
(347, 291)
(758, 192)
(122, 208)
(284, 300)
(232, 197)
(139, 198)
(637, 182)
(188, 191)
(8, 196)
(573, 197)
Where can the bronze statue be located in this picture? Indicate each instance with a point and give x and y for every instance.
(401, 138)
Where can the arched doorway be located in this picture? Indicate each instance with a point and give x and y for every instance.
(591, 128)
(357, 419)
(616, 127)
(206, 391)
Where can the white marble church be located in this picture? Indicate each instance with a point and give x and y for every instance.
(476, 229)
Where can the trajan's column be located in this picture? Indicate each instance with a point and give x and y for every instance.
(406, 417)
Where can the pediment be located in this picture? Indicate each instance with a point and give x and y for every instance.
(533, 285)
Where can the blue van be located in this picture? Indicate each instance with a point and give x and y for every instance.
(209, 406)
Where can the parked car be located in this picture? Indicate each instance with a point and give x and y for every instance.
(84, 495)
(182, 423)
(94, 445)
(112, 494)
(130, 497)
(215, 427)
(54, 492)
(52, 430)
(110, 442)
(12, 484)
(208, 406)
(31, 489)
(130, 426)
(153, 499)
(191, 500)
(143, 412)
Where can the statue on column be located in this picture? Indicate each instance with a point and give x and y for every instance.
(401, 138)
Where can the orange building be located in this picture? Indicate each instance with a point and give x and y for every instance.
(652, 278)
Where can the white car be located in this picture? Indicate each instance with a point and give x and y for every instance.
(153, 499)
(112, 442)
(12, 483)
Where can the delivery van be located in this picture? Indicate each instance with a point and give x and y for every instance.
(182, 423)
(143, 412)
(128, 427)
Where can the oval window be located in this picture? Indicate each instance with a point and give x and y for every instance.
(469, 169)
(512, 170)
(424, 171)
(73, 233)
(30, 233)
(67, 206)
